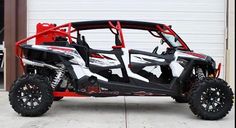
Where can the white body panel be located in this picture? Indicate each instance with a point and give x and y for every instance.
(182, 54)
(104, 62)
(107, 60)
(138, 58)
(176, 68)
(82, 71)
(125, 58)
(79, 67)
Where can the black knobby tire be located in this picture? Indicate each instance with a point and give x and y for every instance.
(181, 99)
(31, 95)
(211, 99)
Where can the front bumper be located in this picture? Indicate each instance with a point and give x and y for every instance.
(217, 71)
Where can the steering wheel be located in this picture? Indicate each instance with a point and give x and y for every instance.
(156, 48)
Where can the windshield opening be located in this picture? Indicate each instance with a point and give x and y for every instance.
(172, 39)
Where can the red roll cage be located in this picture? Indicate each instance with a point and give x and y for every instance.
(48, 32)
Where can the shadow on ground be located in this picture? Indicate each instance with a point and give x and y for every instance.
(141, 106)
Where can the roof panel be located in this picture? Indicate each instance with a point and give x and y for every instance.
(99, 24)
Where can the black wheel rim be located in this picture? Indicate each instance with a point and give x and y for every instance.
(29, 96)
(212, 99)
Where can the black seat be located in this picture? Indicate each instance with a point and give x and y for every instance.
(83, 49)
(57, 43)
(83, 42)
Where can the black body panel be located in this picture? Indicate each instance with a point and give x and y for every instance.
(85, 25)
(43, 55)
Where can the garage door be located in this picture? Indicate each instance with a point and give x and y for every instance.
(200, 23)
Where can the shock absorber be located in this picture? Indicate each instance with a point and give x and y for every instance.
(58, 77)
(200, 74)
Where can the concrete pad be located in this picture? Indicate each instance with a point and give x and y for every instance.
(164, 112)
(112, 112)
(69, 112)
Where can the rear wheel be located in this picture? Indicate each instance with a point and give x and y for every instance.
(31, 95)
(211, 99)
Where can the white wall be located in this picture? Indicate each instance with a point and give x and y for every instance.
(230, 72)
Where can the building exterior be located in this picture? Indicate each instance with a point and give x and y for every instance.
(206, 25)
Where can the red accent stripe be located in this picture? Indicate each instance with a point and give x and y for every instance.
(95, 55)
(67, 94)
(116, 47)
(106, 57)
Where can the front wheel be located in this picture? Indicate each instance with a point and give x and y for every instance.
(211, 99)
(31, 95)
